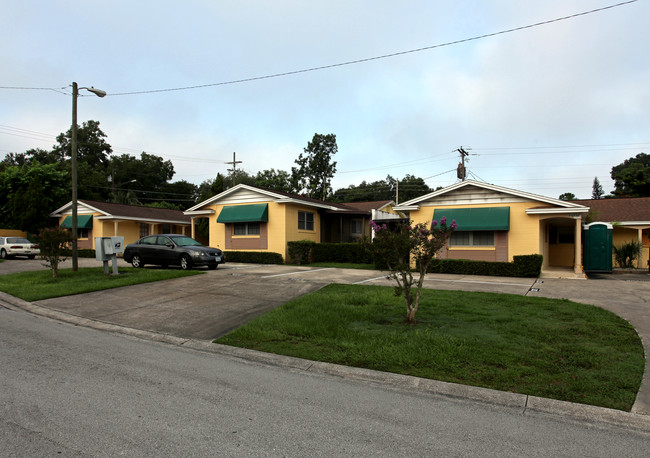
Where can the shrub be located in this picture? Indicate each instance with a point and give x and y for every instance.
(300, 252)
(53, 242)
(627, 253)
(342, 252)
(522, 266)
(254, 257)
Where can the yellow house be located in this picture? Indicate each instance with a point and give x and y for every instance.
(248, 218)
(104, 219)
(497, 223)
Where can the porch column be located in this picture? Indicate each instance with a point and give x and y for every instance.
(192, 222)
(115, 226)
(640, 236)
(577, 263)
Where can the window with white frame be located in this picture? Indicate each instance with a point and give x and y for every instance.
(471, 238)
(246, 229)
(305, 221)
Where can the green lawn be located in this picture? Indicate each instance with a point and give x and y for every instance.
(37, 285)
(544, 347)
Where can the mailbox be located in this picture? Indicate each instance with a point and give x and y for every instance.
(106, 249)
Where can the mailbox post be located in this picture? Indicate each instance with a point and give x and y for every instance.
(106, 249)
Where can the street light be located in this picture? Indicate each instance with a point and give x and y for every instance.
(73, 147)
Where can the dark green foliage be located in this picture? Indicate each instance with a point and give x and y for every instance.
(300, 251)
(315, 170)
(30, 193)
(632, 177)
(254, 257)
(522, 266)
(357, 253)
(627, 253)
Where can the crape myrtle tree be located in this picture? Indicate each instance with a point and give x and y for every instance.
(53, 242)
(396, 247)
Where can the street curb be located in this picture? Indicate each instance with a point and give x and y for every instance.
(568, 410)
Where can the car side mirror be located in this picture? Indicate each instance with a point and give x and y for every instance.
(169, 245)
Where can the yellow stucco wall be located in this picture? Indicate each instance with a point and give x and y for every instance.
(524, 233)
(621, 235)
(12, 233)
(282, 226)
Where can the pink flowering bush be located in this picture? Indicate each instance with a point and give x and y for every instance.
(395, 248)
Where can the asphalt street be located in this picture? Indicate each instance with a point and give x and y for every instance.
(73, 391)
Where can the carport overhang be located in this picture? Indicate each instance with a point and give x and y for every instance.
(561, 216)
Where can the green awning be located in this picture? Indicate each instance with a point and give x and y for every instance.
(244, 214)
(476, 219)
(83, 222)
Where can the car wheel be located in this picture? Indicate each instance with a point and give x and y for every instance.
(136, 261)
(3, 254)
(186, 262)
(31, 256)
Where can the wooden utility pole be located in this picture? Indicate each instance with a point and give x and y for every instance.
(462, 171)
(234, 166)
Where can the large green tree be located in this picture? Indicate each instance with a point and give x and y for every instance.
(276, 180)
(31, 192)
(632, 177)
(93, 159)
(402, 190)
(315, 170)
(145, 178)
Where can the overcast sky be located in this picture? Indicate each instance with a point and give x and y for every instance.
(544, 110)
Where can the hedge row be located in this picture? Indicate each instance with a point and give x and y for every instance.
(522, 266)
(305, 251)
(81, 253)
(254, 257)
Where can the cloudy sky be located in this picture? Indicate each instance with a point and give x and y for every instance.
(544, 109)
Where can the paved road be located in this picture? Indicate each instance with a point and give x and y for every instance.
(73, 391)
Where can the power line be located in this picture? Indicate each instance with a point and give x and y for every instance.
(369, 59)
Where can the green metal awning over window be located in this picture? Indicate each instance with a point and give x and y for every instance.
(244, 214)
(476, 219)
(83, 222)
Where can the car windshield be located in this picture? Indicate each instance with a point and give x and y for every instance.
(185, 241)
(17, 240)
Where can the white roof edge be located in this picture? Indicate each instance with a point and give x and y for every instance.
(492, 187)
(632, 223)
(543, 211)
(198, 212)
(132, 218)
(278, 198)
(402, 208)
(59, 211)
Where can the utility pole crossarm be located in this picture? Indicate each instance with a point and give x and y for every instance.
(234, 166)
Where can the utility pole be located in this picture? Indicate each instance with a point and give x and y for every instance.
(234, 166)
(461, 172)
(396, 191)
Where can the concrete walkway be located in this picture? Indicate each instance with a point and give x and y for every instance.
(201, 308)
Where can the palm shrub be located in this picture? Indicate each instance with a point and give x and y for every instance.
(627, 253)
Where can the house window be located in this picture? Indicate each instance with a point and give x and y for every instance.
(144, 230)
(356, 227)
(246, 229)
(82, 233)
(305, 221)
(472, 238)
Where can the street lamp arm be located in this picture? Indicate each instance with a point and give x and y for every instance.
(97, 92)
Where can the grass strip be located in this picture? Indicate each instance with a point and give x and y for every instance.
(543, 347)
(39, 284)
